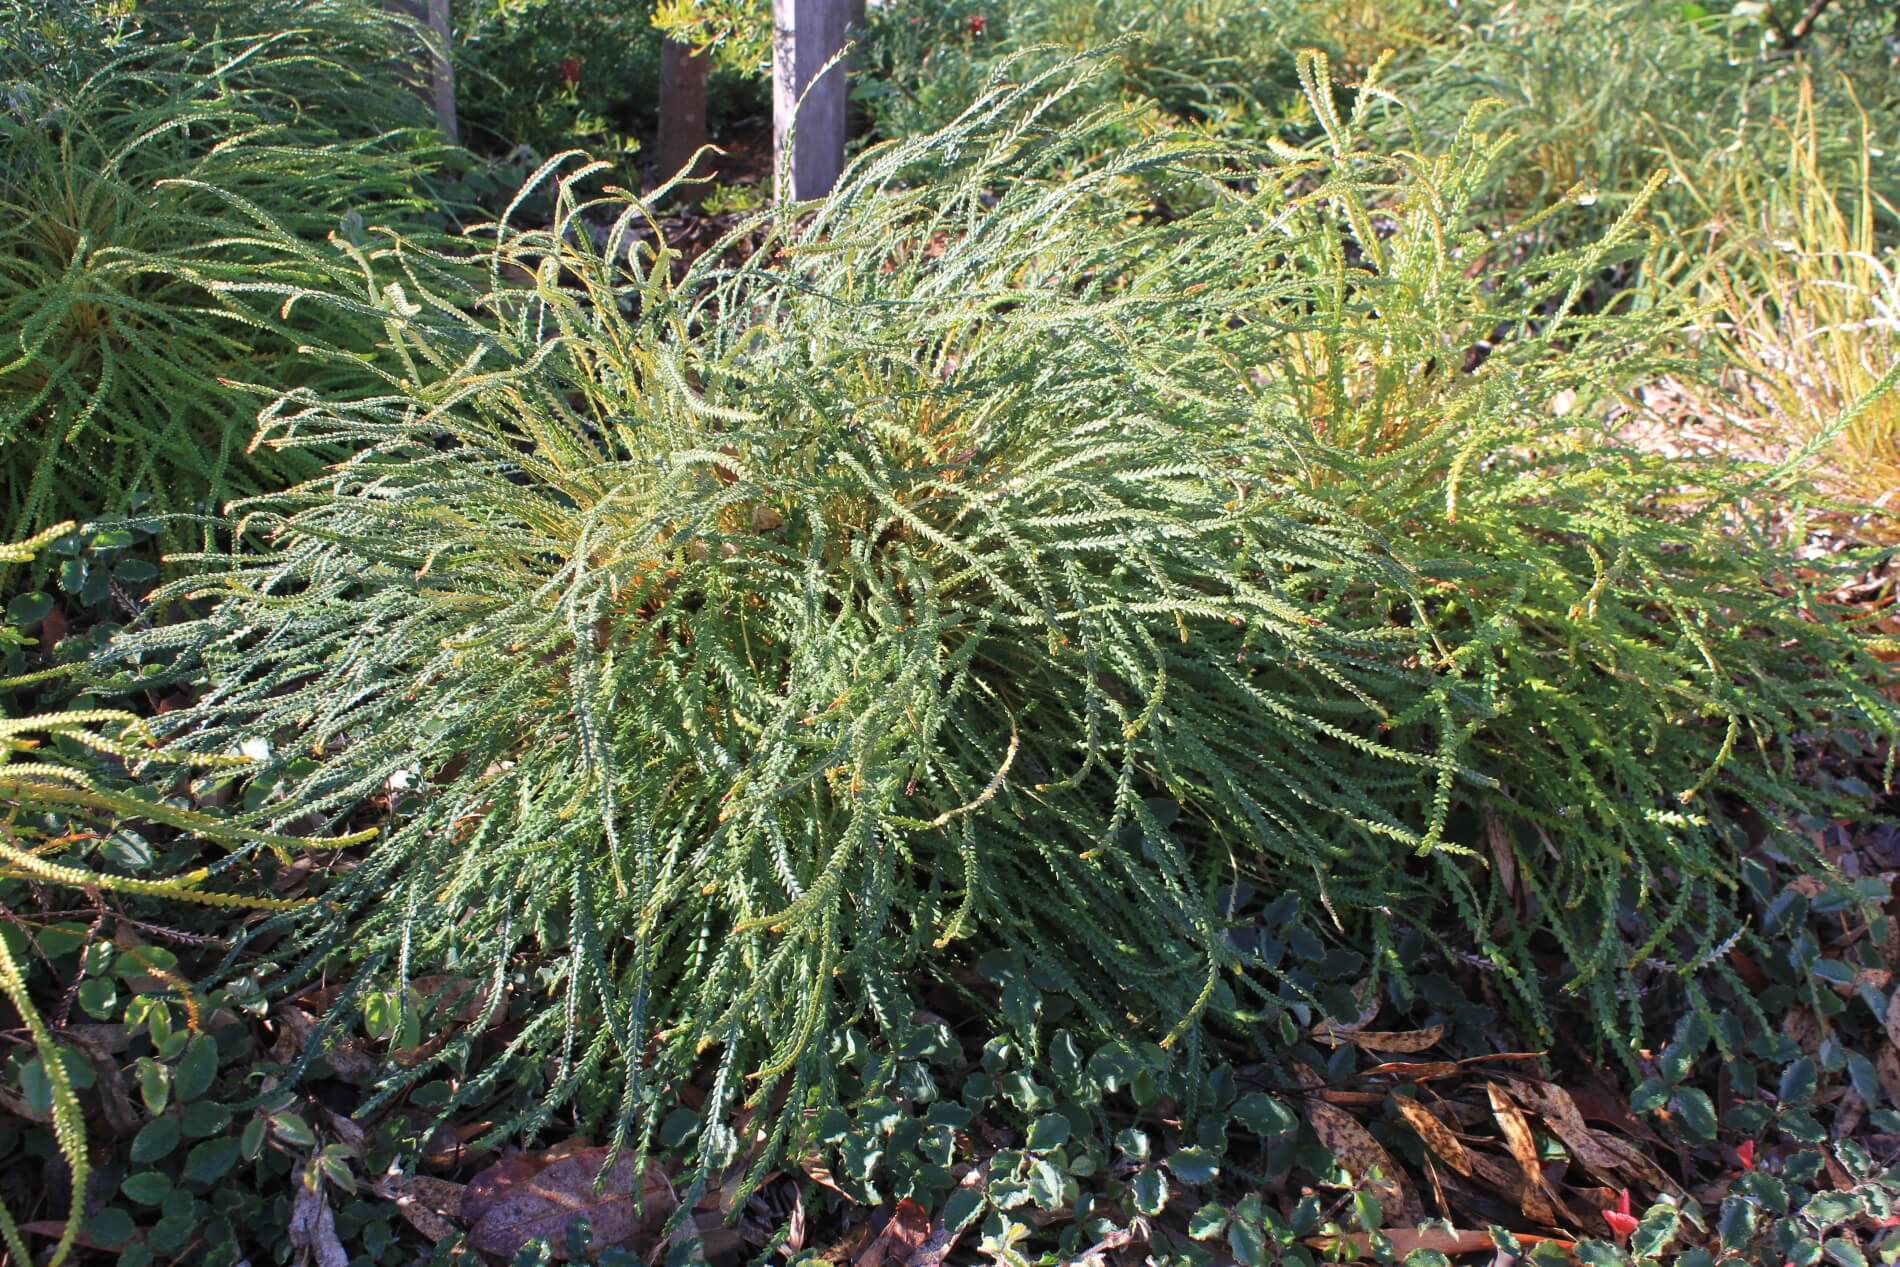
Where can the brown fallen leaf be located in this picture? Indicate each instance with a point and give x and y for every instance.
(1436, 1135)
(1534, 1197)
(902, 1235)
(1414, 1070)
(1508, 1057)
(1499, 1176)
(1804, 1028)
(1410, 1240)
(820, 1174)
(1437, 1188)
(1599, 1104)
(1405, 1041)
(526, 1195)
(1887, 1072)
(425, 1204)
(1636, 1163)
(1353, 1146)
(511, 1169)
(313, 1230)
(115, 1101)
(1498, 837)
(1850, 1114)
(1559, 1111)
(54, 1229)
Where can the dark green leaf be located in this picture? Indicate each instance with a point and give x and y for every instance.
(210, 1161)
(197, 1068)
(1049, 1133)
(155, 1140)
(1151, 1192)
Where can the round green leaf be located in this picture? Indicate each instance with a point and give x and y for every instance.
(1264, 1115)
(155, 1085)
(211, 1161)
(27, 610)
(206, 1117)
(1194, 1165)
(110, 1227)
(251, 1143)
(170, 1233)
(146, 1187)
(293, 1130)
(155, 1140)
(97, 997)
(197, 1069)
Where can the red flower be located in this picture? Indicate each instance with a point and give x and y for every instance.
(570, 71)
(1745, 1153)
(978, 23)
(1621, 1221)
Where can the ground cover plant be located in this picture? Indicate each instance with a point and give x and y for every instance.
(151, 155)
(988, 568)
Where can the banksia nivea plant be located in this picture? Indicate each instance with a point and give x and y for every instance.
(989, 563)
(148, 158)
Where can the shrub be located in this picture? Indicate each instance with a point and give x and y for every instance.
(550, 75)
(1604, 95)
(988, 564)
(161, 157)
(1221, 64)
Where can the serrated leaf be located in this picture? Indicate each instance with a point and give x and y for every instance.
(1150, 1190)
(1194, 1166)
(1050, 1132)
(1798, 1082)
(1696, 1113)
(1208, 1222)
(1263, 1114)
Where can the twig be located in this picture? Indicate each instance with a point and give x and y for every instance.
(1799, 31)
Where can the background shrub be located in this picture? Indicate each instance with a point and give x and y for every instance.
(174, 155)
(548, 75)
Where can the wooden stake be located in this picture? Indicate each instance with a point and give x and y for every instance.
(439, 89)
(806, 34)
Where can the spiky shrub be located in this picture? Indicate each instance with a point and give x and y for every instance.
(1602, 95)
(984, 563)
(148, 160)
(1220, 64)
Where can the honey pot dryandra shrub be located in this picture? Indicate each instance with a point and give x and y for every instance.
(986, 564)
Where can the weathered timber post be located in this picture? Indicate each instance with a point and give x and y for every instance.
(438, 87)
(682, 129)
(806, 34)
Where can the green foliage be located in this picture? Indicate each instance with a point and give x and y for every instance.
(1218, 63)
(549, 74)
(988, 565)
(155, 165)
(1602, 95)
(51, 799)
